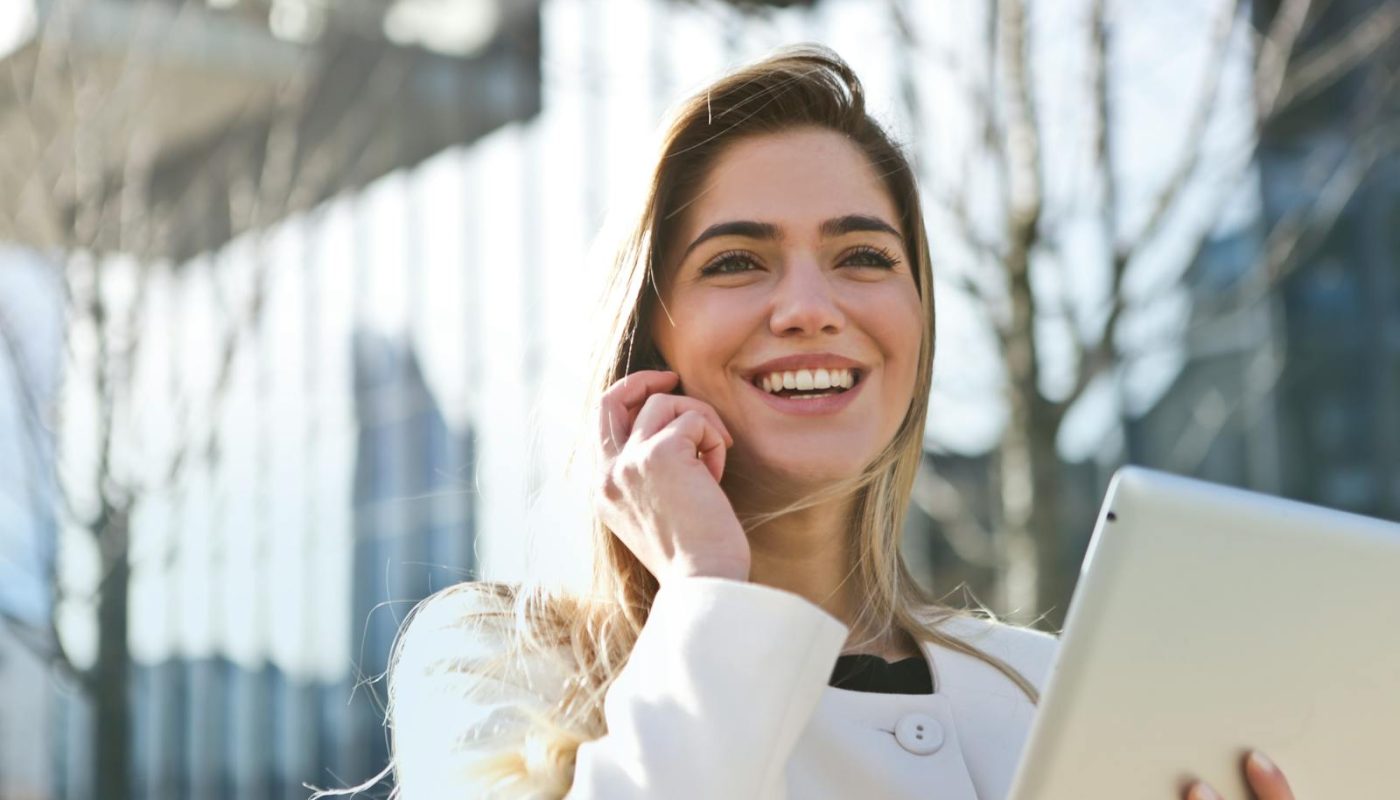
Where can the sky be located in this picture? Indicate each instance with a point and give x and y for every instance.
(16, 24)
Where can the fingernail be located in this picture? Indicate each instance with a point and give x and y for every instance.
(1204, 792)
(1261, 762)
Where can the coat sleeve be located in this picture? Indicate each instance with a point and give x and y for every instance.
(720, 684)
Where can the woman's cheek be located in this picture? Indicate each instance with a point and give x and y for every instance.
(903, 339)
(898, 335)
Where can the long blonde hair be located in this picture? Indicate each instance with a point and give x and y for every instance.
(591, 635)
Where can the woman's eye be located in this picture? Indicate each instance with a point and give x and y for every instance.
(728, 264)
(871, 257)
(736, 262)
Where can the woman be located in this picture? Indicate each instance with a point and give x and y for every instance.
(751, 630)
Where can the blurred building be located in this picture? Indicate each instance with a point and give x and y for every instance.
(1293, 382)
(25, 732)
(268, 582)
(217, 728)
(1339, 392)
(30, 355)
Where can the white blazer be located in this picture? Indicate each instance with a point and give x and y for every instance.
(726, 695)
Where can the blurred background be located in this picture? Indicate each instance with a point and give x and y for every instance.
(292, 294)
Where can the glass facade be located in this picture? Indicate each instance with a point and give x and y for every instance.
(1323, 412)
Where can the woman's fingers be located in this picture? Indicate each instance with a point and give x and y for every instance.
(694, 434)
(657, 488)
(619, 405)
(659, 409)
(637, 406)
(1266, 779)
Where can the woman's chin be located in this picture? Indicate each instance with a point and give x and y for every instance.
(789, 475)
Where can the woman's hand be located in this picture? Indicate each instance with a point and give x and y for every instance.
(1265, 779)
(662, 456)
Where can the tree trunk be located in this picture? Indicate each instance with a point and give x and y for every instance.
(110, 679)
(1026, 485)
(1022, 448)
(1030, 489)
(1017, 588)
(1048, 486)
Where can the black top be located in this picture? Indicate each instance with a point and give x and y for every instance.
(862, 672)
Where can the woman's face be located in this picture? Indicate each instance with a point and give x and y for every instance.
(790, 267)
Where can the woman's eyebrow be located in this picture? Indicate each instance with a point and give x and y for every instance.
(852, 223)
(837, 226)
(746, 228)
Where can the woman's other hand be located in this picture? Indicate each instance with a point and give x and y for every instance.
(661, 459)
(1265, 779)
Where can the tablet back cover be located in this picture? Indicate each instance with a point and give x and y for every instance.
(1207, 621)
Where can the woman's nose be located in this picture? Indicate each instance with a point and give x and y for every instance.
(805, 303)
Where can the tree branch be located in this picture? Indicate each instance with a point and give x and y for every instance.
(1021, 142)
(1100, 121)
(1024, 173)
(1208, 419)
(1327, 63)
(1098, 356)
(1294, 237)
(1274, 52)
(1211, 81)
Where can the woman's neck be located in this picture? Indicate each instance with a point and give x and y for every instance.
(808, 553)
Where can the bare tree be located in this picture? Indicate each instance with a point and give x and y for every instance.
(1018, 248)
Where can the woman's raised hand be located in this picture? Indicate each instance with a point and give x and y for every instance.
(1265, 780)
(662, 456)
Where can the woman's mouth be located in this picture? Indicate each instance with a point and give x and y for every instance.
(807, 384)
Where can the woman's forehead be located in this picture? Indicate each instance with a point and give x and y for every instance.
(795, 181)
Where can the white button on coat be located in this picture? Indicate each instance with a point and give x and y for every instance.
(920, 734)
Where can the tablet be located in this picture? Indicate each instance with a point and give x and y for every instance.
(1210, 620)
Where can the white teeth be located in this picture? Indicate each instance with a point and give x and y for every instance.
(807, 380)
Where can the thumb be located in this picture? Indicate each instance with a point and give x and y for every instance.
(713, 456)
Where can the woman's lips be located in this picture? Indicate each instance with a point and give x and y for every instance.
(810, 406)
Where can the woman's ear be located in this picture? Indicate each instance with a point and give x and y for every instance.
(657, 361)
(651, 360)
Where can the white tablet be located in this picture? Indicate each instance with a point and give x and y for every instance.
(1210, 620)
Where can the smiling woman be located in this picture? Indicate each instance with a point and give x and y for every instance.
(761, 390)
